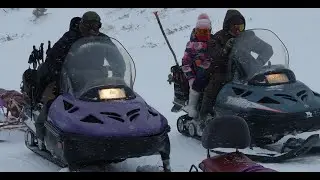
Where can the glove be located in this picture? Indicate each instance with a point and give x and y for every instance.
(229, 43)
(228, 46)
(55, 91)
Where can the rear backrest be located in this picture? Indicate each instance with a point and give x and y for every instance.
(226, 132)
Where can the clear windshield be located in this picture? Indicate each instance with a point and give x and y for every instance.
(257, 49)
(96, 61)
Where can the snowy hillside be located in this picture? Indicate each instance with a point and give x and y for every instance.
(139, 32)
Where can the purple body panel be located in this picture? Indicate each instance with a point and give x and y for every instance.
(144, 125)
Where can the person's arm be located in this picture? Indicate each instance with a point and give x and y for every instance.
(49, 70)
(260, 47)
(59, 49)
(215, 49)
(187, 61)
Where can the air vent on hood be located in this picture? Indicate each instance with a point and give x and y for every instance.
(91, 119)
(238, 91)
(110, 114)
(113, 116)
(246, 94)
(303, 97)
(133, 114)
(67, 105)
(302, 94)
(152, 113)
(316, 94)
(73, 110)
(286, 96)
(134, 117)
(267, 100)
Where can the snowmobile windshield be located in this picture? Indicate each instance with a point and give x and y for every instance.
(258, 49)
(94, 62)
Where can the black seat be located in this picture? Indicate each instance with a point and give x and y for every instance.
(226, 132)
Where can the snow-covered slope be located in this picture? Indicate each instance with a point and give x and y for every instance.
(138, 30)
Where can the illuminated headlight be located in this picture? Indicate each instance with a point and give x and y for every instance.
(112, 93)
(277, 78)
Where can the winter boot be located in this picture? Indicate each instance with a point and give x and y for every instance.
(191, 108)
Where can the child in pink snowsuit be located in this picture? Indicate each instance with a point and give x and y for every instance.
(195, 62)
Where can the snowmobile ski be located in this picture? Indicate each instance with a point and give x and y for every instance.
(303, 148)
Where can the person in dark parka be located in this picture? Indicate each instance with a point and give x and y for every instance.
(222, 69)
(49, 74)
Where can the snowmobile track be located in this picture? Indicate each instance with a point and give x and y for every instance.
(47, 156)
(44, 154)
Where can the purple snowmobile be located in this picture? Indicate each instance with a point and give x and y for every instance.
(98, 118)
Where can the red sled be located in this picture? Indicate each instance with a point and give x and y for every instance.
(232, 162)
(228, 132)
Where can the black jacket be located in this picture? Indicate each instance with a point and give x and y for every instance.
(220, 60)
(51, 68)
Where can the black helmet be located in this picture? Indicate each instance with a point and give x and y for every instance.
(74, 24)
(90, 23)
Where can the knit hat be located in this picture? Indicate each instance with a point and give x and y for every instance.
(203, 21)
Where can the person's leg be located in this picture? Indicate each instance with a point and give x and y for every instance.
(39, 124)
(210, 94)
(196, 87)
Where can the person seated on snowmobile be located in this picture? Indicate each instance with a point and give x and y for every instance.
(222, 69)
(49, 73)
(195, 62)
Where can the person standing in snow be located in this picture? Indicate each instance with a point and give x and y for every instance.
(196, 62)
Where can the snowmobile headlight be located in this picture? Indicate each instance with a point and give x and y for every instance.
(277, 78)
(112, 93)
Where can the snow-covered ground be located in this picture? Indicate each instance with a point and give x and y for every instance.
(138, 30)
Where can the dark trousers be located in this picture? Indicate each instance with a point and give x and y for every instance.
(216, 82)
(201, 80)
(39, 122)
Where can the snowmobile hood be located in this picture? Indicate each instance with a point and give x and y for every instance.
(231, 14)
(106, 119)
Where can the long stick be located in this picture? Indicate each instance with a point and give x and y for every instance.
(165, 37)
